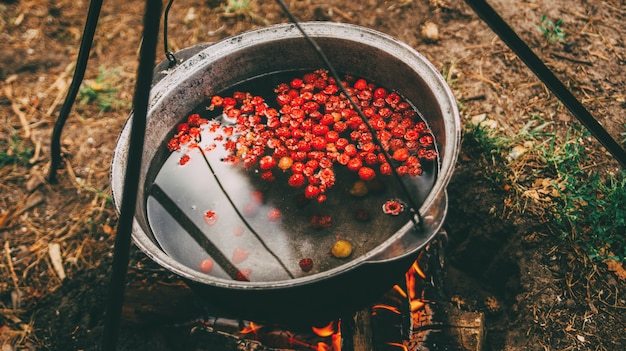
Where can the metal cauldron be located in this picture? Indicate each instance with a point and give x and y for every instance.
(351, 49)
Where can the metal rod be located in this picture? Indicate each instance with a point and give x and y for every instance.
(121, 250)
(79, 74)
(504, 31)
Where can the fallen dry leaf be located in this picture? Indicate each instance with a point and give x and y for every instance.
(108, 230)
(617, 268)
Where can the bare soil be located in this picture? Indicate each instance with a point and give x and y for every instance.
(537, 290)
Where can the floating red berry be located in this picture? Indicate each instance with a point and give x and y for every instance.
(306, 264)
(243, 275)
(206, 265)
(274, 215)
(360, 84)
(240, 255)
(238, 231)
(296, 180)
(393, 207)
(210, 217)
(319, 221)
(366, 173)
(267, 162)
(315, 128)
(311, 191)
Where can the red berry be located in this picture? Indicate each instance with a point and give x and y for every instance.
(355, 164)
(184, 139)
(297, 167)
(393, 207)
(268, 176)
(318, 221)
(341, 143)
(217, 101)
(206, 265)
(182, 128)
(426, 140)
(385, 169)
(229, 101)
(311, 191)
(257, 196)
(193, 120)
(240, 255)
(366, 173)
(296, 180)
(371, 158)
(380, 93)
(343, 159)
(306, 264)
(239, 230)
(296, 83)
(318, 143)
(350, 150)
(173, 144)
(360, 84)
(250, 209)
(273, 215)
(183, 160)
(210, 217)
(400, 155)
(267, 162)
(243, 275)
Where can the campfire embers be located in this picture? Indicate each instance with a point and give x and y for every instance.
(408, 317)
(246, 335)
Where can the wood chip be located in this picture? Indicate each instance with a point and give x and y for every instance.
(35, 180)
(54, 250)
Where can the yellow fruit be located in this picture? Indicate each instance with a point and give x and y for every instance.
(342, 249)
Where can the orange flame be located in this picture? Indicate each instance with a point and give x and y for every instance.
(418, 270)
(387, 307)
(399, 290)
(416, 305)
(253, 328)
(322, 346)
(404, 348)
(410, 285)
(324, 331)
(337, 338)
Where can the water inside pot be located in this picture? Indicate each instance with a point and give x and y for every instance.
(224, 220)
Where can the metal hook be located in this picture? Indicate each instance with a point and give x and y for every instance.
(168, 54)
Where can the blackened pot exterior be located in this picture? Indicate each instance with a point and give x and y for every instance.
(356, 50)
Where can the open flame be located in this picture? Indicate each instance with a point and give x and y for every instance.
(386, 307)
(325, 331)
(324, 338)
(329, 337)
(332, 330)
(401, 346)
(252, 328)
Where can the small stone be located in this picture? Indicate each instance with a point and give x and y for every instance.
(430, 32)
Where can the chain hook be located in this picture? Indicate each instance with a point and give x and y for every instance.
(168, 54)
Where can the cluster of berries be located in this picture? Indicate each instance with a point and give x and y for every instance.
(314, 127)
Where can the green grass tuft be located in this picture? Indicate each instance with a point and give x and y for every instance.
(552, 31)
(14, 151)
(586, 206)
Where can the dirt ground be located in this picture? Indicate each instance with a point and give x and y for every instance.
(538, 292)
